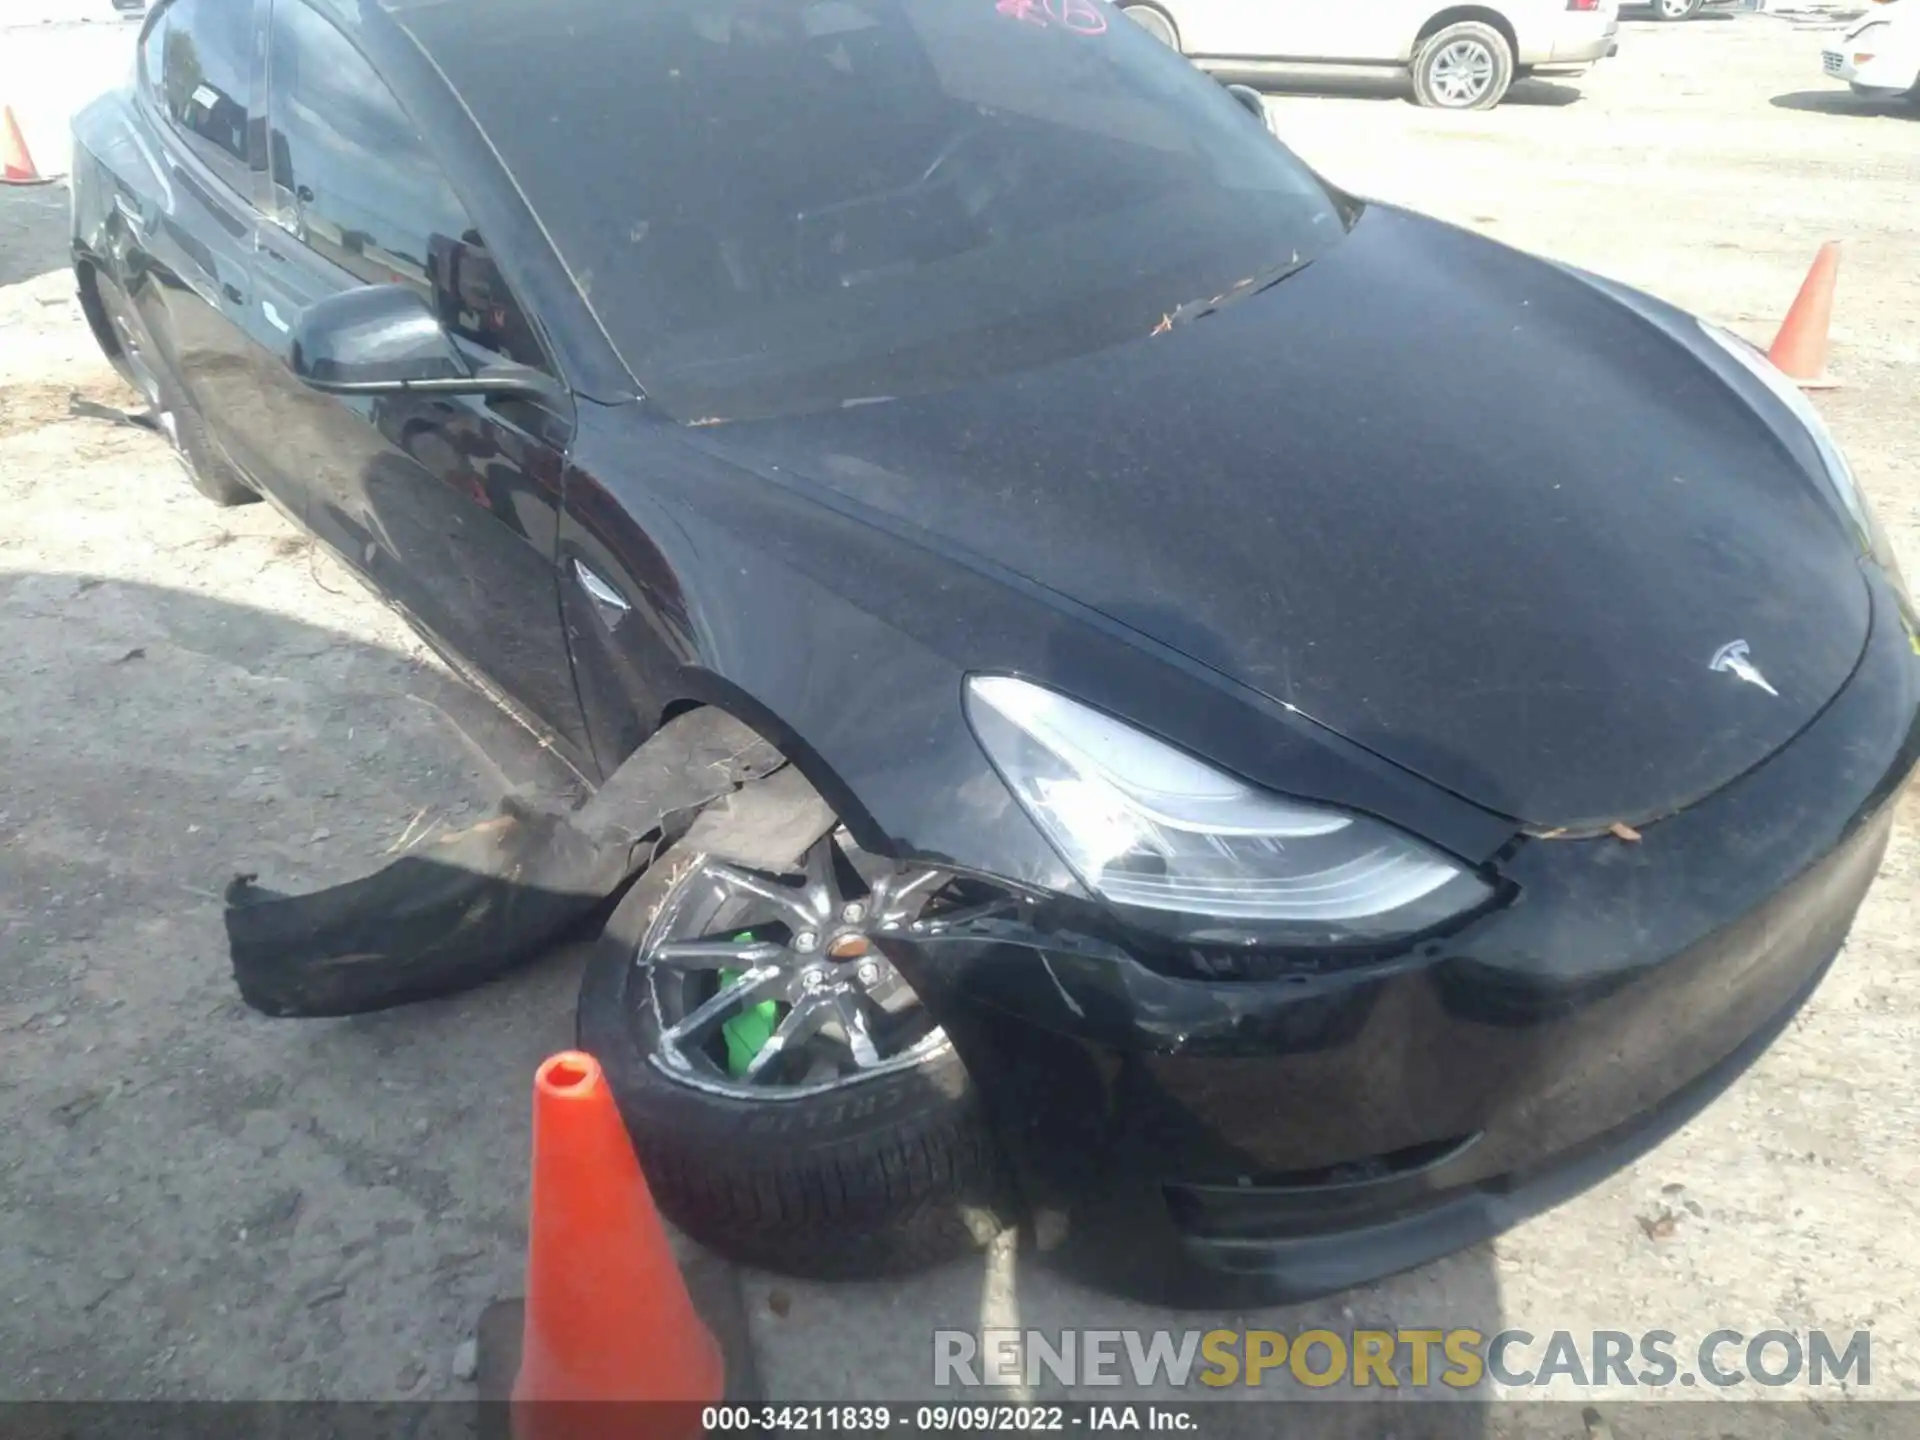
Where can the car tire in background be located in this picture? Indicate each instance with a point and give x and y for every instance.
(171, 413)
(1464, 66)
(870, 1176)
(1156, 22)
(1671, 10)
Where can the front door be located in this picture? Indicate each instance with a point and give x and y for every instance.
(448, 505)
(1269, 30)
(193, 233)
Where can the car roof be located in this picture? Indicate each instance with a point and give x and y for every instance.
(449, 30)
(447, 18)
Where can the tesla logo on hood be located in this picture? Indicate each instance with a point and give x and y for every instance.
(1732, 659)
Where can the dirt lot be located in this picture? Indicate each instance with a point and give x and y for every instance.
(202, 1203)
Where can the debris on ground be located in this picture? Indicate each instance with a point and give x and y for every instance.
(1658, 1227)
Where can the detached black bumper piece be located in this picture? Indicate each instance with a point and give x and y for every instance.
(1194, 1141)
(485, 900)
(430, 924)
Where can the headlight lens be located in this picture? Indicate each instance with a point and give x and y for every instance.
(1149, 828)
(1791, 396)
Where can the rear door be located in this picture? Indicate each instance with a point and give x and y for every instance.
(1270, 30)
(1373, 30)
(188, 267)
(448, 505)
(1336, 30)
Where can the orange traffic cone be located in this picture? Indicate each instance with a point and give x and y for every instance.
(609, 1323)
(16, 165)
(1800, 350)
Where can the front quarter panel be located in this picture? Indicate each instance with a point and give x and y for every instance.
(847, 639)
(873, 717)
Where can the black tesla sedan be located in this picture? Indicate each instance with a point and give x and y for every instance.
(1337, 732)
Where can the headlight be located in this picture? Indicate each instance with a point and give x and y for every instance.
(1151, 829)
(1839, 473)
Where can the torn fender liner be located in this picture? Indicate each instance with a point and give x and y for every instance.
(763, 827)
(484, 900)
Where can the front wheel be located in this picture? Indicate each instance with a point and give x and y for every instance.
(792, 1103)
(1466, 66)
(1671, 10)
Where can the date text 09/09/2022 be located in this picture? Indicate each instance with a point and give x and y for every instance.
(937, 1419)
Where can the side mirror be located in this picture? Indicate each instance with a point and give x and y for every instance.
(386, 340)
(1254, 102)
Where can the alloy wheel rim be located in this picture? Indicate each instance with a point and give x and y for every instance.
(145, 381)
(729, 942)
(1674, 9)
(1463, 72)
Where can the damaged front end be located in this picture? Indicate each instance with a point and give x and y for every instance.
(485, 900)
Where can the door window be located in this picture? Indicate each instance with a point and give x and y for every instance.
(197, 63)
(354, 181)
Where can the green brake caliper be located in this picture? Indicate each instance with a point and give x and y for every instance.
(747, 1033)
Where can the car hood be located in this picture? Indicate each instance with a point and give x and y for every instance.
(1487, 517)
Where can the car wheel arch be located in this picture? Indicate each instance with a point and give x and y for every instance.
(1457, 14)
(706, 690)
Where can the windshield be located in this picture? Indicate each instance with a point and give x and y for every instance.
(785, 205)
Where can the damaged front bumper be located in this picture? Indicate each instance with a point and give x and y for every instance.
(1187, 1138)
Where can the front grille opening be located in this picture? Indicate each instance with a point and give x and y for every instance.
(1288, 1202)
(1370, 1170)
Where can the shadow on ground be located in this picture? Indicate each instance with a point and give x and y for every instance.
(1845, 102)
(206, 1204)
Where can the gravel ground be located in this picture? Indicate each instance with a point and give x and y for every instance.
(205, 1204)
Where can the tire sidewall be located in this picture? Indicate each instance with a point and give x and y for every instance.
(1436, 44)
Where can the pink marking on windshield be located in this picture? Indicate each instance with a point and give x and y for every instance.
(1080, 17)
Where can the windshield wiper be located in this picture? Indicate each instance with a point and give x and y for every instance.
(1252, 285)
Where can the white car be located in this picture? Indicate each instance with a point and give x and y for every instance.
(1681, 9)
(1461, 58)
(1881, 55)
